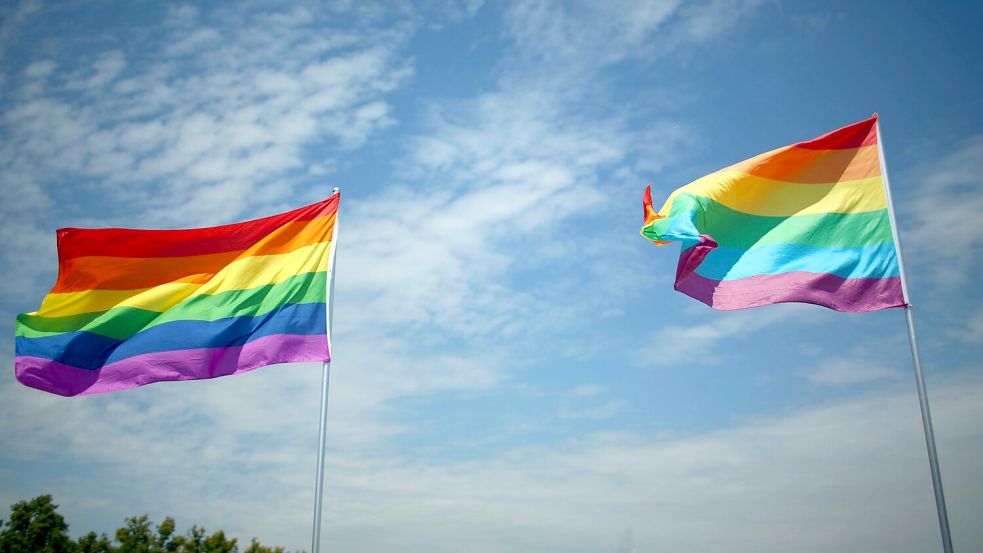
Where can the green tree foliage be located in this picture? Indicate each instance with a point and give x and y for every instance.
(36, 527)
(135, 536)
(255, 547)
(91, 543)
(197, 542)
(218, 543)
(166, 542)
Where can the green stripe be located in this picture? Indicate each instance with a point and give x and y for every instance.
(736, 229)
(123, 322)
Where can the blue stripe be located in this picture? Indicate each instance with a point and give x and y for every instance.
(91, 351)
(878, 261)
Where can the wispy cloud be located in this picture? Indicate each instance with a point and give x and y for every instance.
(842, 371)
(608, 33)
(811, 471)
(14, 15)
(234, 120)
(506, 177)
(943, 228)
(699, 342)
(971, 330)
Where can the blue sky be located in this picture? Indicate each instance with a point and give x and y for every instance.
(513, 371)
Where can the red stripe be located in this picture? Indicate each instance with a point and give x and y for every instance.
(862, 133)
(132, 273)
(116, 242)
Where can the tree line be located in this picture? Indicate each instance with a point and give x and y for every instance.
(35, 526)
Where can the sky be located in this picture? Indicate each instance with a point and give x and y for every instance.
(512, 369)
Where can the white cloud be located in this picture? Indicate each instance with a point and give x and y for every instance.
(814, 22)
(102, 71)
(599, 411)
(587, 390)
(14, 16)
(971, 327)
(605, 33)
(504, 169)
(819, 479)
(699, 342)
(564, 45)
(589, 402)
(700, 22)
(842, 371)
(940, 214)
(242, 112)
(40, 69)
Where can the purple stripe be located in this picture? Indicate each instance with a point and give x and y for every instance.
(851, 295)
(189, 364)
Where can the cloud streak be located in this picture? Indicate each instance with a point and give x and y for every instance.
(943, 228)
(261, 93)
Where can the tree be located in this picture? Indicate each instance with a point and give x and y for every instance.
(91, 543)
(255, 547)
(137, 537)
(218, 543)
(166, 542)
(197, 542)
(35, 527)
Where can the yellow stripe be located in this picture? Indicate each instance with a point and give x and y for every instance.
(774, 198)
(248, 272)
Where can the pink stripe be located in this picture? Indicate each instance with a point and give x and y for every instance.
(190, 364)
(851, 295)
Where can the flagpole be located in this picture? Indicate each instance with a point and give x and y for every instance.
(933, 457)
(325, 377)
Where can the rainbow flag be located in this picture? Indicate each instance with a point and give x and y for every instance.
(132, 307)
(804, 223)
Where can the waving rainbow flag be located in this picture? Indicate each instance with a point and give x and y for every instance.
(131, 307)
(804, 223)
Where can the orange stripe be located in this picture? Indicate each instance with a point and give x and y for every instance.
(801, 165)
(131, 273)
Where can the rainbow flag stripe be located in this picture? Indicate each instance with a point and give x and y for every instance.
(804, 223)
(131, 307)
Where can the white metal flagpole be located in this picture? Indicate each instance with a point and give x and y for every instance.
(933, 457)
(325, 376)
